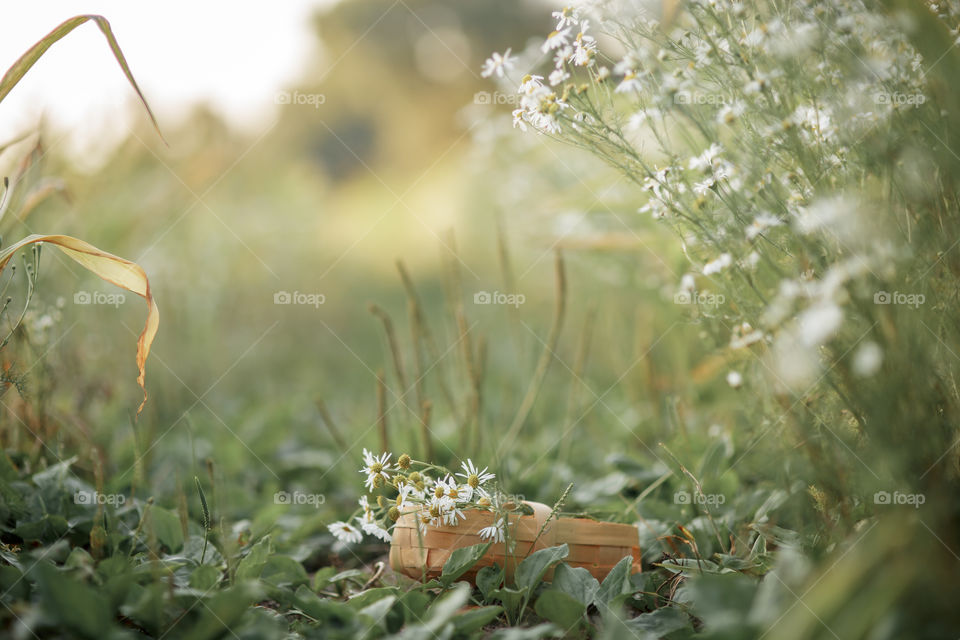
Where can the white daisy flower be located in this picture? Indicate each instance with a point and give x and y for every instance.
(530, 85)
(424, 519)
(562, 56)
(374, 467)
(744, 335)
(730, 112)
(754, 39)
(345, 532)
(518, 120)
(656, 208)
(452, 492)
(761, 223)
(403, 497)
(584, 48)
(706, 160)
(630, 82)
(374, 529)
(546, 122)
(498, 64)
(567, 17)
(868, 359)
(718, 265)
(556, 39)
(472, 474)
(819, 323)
(451, 514)
(494, 532)
(557, 76)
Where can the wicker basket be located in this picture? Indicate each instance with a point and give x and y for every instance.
(595, 546)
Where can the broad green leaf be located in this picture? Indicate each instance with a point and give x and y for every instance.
(475, 619)
(460, 561)
(436, 623)
(166, 526)
(734, 563)
(12, 584)
(79, 558)
(365, 598)
(512, 599)
(48, 528)
(76, 605)
(414, 606)
(260, 623)
(19, 68)
(350, 574)
(322, 577)
(660, 622)
(531, 570)
(576, 582)
(114, 269)
(690, 566)
(219, 614)
(145, 606)
(489, 579)
(720, 600)
(205, 577)
(615, 584)
(545, 630)
(12, 503)
(54, 476)
(252, 564)
(322, 609)
(376, 614)
(447, 606)
(193, 549)
(560, 608)
(283, 571)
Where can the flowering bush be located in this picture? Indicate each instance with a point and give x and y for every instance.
(805, 156)
(787, 148)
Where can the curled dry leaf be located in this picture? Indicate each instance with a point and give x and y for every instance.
(113, 269)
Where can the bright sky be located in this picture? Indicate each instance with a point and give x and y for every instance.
(233, 55)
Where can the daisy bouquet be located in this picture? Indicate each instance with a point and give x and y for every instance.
(436, 496)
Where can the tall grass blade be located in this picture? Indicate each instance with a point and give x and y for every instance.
(19, 68)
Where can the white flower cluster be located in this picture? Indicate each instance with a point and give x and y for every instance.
(742, 123)
(436, 497)
(570, 45)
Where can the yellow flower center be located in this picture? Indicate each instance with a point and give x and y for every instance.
(473, 480)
